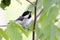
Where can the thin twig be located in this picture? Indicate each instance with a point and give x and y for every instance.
(30, 2)
(39, 12)
(35, 10)
(18, 1)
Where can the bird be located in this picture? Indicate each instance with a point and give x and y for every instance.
(24, 19)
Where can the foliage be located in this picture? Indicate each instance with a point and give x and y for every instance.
(48, 30)
(5, 3)
(13, 32)
(4, 34)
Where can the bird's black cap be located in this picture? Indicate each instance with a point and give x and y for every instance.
(26, 13)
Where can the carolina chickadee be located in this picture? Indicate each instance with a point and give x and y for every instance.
(25, 19)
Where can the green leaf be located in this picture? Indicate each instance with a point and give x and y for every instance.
(3, 33)
(5, 3)
(26, 32)
(38, 32)
(49, 33)
(13, 32)
(46, 20)
(18, 28)
(58, 30)
(58, 3)
(48, 16)
(39, 4)
(48, 3)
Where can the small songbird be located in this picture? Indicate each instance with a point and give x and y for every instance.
(24, 19)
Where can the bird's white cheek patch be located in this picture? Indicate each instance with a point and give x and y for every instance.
(26, 16)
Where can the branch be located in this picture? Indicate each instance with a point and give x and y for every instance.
(30, 2)
(18, 1)
(35, 10)
(40, 12)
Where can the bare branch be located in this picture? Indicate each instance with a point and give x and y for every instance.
(30, 2)
(34, 28)
(40, 12)
(18, 1)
